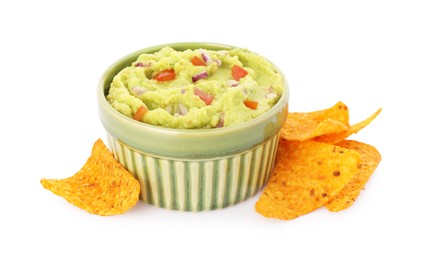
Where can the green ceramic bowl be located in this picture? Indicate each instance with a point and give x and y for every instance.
(192, 170)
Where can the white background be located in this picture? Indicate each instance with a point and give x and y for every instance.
(369, 54)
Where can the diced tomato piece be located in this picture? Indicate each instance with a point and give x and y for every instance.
(197, 62)
(251, 104)
(205, 97)
(140, 112)
(238, 72)
(165, 75)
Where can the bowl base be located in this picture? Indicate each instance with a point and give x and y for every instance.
(198, 185)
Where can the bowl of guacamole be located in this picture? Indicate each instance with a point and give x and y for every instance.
(196, 123)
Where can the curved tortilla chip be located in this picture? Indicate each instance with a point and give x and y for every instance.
(370, 159)
(101, 187)
(306, 176)
(305, 126)
(333, 138)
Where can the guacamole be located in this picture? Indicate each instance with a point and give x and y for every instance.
(196, 88)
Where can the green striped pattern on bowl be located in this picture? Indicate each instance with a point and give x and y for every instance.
(198, 185)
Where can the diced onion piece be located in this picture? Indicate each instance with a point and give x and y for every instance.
(200, 75)
(218, 62)
(206, 57)
(232, 83)
(138, 90)
(140, 112)
(142, 64)
(271, 95)
(183, 110)
(205, 97)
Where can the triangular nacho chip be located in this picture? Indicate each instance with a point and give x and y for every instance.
(101, 187)
(306, 176)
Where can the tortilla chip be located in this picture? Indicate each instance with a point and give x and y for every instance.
(370, 159)
(101, 187)
(305, 126)
(337, 137)
(307, 175)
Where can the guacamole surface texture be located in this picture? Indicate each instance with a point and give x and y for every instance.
(195, 89)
